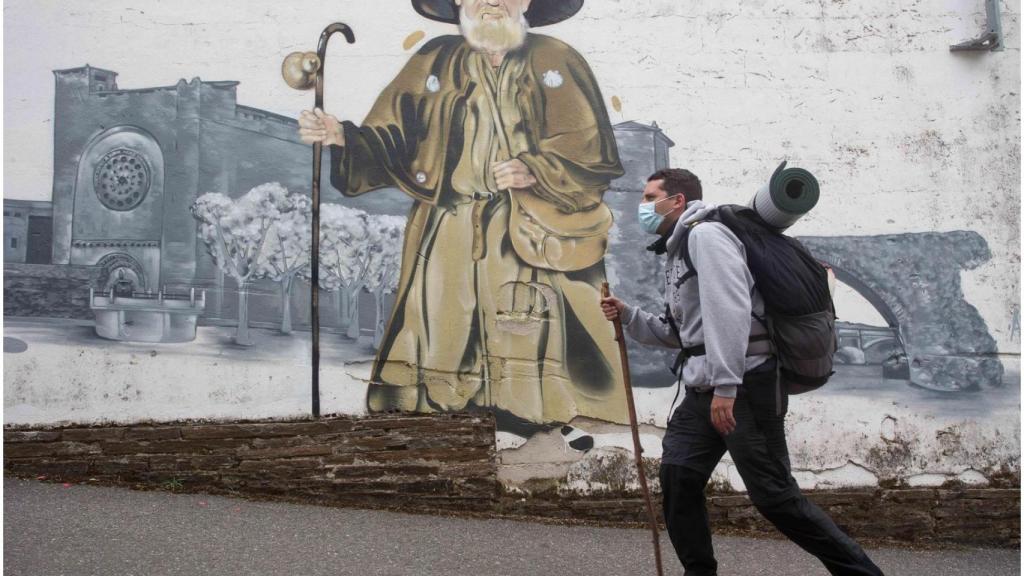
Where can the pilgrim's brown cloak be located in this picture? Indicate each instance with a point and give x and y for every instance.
(487, 312)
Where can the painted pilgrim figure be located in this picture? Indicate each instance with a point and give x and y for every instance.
(502, 139)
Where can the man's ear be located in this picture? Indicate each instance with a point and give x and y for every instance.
(681, 204)
(458, 3)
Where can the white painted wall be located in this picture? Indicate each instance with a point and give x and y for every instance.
(67, 375)
(903, 135)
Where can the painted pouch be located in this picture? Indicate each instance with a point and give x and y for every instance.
(544, 237)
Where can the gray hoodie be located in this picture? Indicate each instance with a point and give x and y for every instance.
(714, 308)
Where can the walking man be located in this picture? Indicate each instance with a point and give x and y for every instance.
(729, 374)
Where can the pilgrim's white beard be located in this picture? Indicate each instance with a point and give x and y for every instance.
(493, 36)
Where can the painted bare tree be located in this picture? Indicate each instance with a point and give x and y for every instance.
(235, 232)
(385, 263)
(344, 259)
(285, 256)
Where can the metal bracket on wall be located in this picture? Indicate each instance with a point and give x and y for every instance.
(992, 38)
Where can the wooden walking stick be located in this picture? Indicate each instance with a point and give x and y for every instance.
(637, 450)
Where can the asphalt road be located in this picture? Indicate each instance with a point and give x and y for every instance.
(76, 530)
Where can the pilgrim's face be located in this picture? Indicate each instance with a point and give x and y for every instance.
(493, 10)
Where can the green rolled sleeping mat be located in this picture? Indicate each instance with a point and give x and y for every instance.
(788, 195)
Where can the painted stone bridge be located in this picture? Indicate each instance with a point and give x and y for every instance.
(914, 282)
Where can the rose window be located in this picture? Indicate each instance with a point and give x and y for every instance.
(121, 179)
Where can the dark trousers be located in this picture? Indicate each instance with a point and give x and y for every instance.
(758, 448)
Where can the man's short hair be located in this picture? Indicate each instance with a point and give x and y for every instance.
(679, 181)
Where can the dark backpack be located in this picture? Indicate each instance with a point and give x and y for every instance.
(799, 313)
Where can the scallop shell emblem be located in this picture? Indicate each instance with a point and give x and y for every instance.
(552, 78)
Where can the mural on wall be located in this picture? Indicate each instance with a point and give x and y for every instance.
(507, 158)
(476, 210)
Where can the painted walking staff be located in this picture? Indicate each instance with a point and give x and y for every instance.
(502, 139)
(302, 71)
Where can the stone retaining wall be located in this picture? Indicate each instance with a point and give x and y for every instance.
(420, 462)
(445, 463)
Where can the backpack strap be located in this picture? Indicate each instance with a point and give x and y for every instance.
(681, 357)
(684, 253)
(699, 350)
(687, 352)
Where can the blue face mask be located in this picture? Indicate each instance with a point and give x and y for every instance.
(649, 219)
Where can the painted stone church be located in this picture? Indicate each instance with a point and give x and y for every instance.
(129, 163)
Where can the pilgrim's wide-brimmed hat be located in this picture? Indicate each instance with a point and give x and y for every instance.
(540, 13)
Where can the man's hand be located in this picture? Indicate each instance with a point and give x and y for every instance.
(513, 174)
(721, 415)
(318, 126)
(612, 308)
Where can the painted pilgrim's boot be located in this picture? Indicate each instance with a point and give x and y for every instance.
(577, 439)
